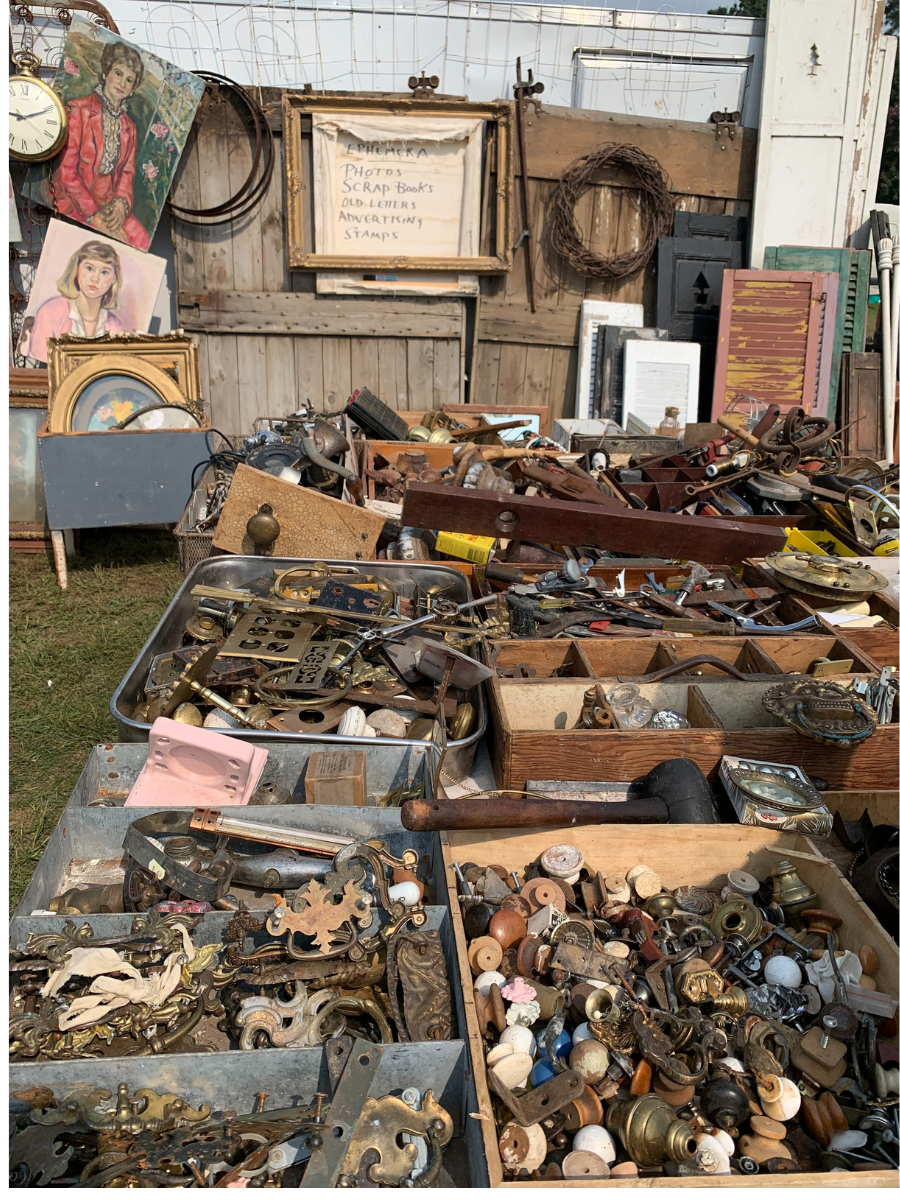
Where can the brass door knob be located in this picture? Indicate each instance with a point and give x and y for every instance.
(263, 529)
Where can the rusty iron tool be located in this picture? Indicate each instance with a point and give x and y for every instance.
(524, 92)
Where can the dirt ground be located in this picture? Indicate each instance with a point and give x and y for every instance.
(68, 652)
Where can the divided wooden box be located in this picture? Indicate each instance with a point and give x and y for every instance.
(680, 857)
(533, 720)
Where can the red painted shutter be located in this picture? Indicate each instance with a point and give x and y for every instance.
(776, 331)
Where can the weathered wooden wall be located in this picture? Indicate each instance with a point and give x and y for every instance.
(268, 341)
(525, 358)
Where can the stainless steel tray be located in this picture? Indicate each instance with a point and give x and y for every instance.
(235, 571)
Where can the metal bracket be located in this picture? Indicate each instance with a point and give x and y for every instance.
(726, 124)
(423, 86)
(326, 1162)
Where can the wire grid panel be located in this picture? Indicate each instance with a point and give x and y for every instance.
(376, 45)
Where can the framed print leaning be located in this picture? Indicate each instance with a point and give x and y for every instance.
(398, 184)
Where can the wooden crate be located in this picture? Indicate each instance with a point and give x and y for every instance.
(881, 645)
(680, 857)
(439, 455)
(532, 739)
(622, 657)
(755, 573)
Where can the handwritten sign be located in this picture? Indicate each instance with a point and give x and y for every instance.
(397, 186)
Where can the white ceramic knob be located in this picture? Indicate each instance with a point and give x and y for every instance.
(498, 1052)
(581, 1033)
(513, 1070)
(408, 892)
(486, 978)
(779, 969)
(520, 1038)
(597, 1140)
(743, 882)
(709, 1145)
(582, 1164)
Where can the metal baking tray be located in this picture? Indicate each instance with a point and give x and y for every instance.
(235, 571)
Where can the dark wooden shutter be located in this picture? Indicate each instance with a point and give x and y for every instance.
(776, 332)
(689, 295)
(852, 269)
(861, 414)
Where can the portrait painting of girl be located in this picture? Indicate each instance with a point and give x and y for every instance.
(88, 287)
(129, 116)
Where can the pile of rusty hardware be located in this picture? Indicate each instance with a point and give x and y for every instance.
(629, 1030)
(586, 599)
(321, 651)
(747, 486)
(341, 948)
(305, 448)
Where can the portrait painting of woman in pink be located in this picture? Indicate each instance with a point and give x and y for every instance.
(94, 181)
(87, 287)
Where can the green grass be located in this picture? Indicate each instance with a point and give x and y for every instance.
(68, 652)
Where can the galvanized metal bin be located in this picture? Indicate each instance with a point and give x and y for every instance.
(289, 1077)
(125, 477)
(112, 768)
(88, 832)
(86, 845)
(235, 571)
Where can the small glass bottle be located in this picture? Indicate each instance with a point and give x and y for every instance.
(670, 426)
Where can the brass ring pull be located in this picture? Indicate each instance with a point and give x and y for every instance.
(277, 700)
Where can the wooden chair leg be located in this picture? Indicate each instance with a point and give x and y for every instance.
(59, 557)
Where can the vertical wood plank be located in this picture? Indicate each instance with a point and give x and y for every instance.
(545, 280)
(254, 397)
(538, 372)
(280, 376)
(420, 372)
(605, 220)
(276, 277)
(387, 371)
(213, 145)
(224, 390)
(189, 263)
(364, 363)
(511, 381)
(628, 291)
(446, 372)
(308, 370)
(401, 370)
(486, 374)
(564, 370)
(337, 382)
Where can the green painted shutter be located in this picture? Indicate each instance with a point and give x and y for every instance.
(852, 269)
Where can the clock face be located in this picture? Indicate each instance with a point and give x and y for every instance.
(36, 127)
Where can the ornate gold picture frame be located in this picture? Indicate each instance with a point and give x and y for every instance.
(497, 175)
(167, 366)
